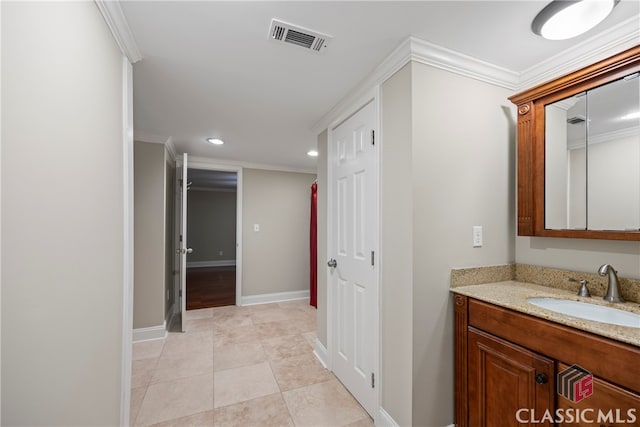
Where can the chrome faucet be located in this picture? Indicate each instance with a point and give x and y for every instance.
(613, 289)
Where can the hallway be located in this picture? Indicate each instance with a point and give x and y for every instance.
(240, 366)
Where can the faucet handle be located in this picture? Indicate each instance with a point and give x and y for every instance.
(584, 290)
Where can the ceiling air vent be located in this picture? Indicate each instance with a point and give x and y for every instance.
(578, 118)
(288, 33)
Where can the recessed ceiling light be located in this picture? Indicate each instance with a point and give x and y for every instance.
(563, 19)
(312, 153)
(215, 141)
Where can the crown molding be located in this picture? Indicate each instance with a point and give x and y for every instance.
(204, 162)
(619, 38)
(449, 60)
(117, 23)
(153, 138)
(607, 43)
(397, 59)
(414, 49)
(167, 141)
(615, 135)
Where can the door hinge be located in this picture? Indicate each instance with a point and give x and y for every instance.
(373, 380)
(373, 137)
(180, 293)
(373, 258)
(181, 238)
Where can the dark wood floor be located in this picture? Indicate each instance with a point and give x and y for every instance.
(211, 287)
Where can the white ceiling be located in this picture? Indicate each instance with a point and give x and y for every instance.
(209, 69)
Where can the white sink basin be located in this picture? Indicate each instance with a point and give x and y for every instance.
(587, 311)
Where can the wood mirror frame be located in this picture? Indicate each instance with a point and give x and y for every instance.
(531, 141)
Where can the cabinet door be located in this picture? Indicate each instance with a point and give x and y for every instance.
(506, 380)
(609, 405)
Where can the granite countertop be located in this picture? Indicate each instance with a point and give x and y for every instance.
(513, 295)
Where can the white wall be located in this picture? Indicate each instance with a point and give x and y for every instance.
(275, 259)
(463, 175)
(149, 240)
(448, 156)
(580, 254)
(211, 225)
(396, 255)
(62, 218)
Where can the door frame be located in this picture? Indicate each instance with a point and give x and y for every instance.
(372, 95)
(128, 232)
(204, 164)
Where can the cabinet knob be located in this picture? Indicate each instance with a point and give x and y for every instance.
(541, 379)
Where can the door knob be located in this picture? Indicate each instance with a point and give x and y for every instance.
(541, 379)
(332, 263)
(189, 250)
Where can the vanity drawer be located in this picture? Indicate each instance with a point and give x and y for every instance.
(605, 358)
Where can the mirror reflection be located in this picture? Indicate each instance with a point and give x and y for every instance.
(592, 159)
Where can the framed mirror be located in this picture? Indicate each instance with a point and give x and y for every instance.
(579, 153)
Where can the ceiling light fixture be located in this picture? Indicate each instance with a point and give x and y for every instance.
(564, 19)
(215, 141)
(312, 153)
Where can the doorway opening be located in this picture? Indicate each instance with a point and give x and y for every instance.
(212, 234)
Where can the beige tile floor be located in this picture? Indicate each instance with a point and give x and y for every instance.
(240, 366)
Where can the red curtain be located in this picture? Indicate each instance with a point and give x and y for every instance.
(313, 239)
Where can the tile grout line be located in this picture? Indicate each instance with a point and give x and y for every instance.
(280, 389)
(146, 388)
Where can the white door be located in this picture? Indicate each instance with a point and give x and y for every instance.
(183, 249)
(353, 266)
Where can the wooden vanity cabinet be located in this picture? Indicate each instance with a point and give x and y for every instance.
(506, 361)
(605, 397)
(503, 378)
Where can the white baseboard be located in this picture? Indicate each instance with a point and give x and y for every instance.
(275, 297)
(385, 420)
(321, 353)
(148, 334)
(219, 263)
